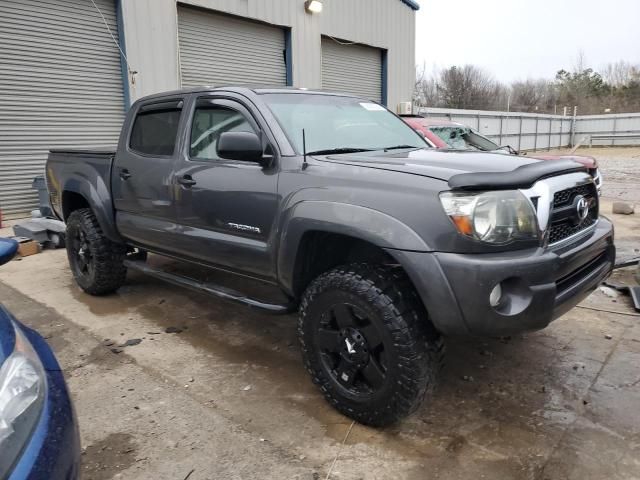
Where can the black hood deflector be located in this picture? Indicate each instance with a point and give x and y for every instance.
(522, 177)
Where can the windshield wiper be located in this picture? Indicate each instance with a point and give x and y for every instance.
(329, 151)
(397, 147)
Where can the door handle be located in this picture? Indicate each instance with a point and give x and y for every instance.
(186, 181)
(124, 174)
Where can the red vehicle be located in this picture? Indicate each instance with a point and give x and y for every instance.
(445, 134)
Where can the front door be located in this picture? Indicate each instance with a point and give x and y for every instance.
(226, 208)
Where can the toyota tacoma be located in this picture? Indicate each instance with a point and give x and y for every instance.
(381, 243)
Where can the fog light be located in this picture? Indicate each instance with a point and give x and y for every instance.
(495, 296)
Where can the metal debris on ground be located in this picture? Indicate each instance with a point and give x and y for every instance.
(46, 231)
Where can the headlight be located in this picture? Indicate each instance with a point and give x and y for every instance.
(493, 217)
(22, 389)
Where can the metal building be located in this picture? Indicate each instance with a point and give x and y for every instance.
(64, 81)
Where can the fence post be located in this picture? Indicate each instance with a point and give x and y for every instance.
(615, 121)
(520, 134)
(535, 136)
(573, 126)
(500, 141)
(550, 128)
(560, 139)
(478, 122)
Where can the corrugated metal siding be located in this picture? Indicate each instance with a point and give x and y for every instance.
(354, 69)
(609, 124)
(221, 50)
(60, 86)
(151, 32)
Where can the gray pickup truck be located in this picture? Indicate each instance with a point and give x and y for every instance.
(382, 243)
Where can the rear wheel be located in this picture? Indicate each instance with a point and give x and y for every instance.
(96, 262)
(367, 342)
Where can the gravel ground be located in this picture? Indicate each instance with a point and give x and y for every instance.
(620, 168)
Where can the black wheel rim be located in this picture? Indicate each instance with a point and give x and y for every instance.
(352, 350)
(81, 250)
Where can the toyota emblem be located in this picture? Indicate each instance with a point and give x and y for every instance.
(582, 208)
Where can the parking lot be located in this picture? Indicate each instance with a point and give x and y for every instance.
(170, 384)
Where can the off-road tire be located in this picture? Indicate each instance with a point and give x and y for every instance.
(107, 272)
(416, 349)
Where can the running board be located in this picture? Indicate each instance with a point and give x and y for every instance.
(208, 288)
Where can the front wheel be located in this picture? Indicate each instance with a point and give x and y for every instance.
(96, 262)
(367, 342)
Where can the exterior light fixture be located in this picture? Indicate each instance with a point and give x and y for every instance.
(313, 6)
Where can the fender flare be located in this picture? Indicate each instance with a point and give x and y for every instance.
(98, 197)
(363, 223)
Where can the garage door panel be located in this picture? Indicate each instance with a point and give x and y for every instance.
(352, 68)
(60, 86)
(221, 50)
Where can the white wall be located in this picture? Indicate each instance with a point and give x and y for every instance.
(151, 38)
(523, 131)
(625, 125)
(534, 131)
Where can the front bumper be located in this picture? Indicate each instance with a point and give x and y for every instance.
(538, 285)
(53, 450)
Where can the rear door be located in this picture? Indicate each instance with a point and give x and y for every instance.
(142, 180)
(226, 208)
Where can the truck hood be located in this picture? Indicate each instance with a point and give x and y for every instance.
(432, 163)
(585, 160)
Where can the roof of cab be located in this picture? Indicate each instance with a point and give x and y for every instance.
(259, 90)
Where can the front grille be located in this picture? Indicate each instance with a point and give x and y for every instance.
(562, 230)
(565, 197)
(564, 215)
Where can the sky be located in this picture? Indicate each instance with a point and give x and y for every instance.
(520, 39)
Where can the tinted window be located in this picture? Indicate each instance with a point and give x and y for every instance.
(154, 132)
(208, 124)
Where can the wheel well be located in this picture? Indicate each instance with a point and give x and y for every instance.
(322, 251)
(72, 201)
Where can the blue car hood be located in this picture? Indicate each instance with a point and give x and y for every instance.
(7, 334)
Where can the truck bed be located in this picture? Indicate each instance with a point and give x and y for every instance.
(73, 168)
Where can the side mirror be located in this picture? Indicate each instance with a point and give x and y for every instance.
(8, 249)
(244, 146)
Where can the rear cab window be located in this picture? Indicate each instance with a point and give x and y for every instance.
(155, 128)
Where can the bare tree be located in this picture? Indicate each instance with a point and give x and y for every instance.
(533, 96)
(619, 73)
(426, 87)
(468, 87)
(616, 89)
(580, 62)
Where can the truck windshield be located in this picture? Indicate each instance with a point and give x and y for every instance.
(464, 138)
(335, 124)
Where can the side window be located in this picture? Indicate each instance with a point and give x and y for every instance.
(155, 131)
(209, 123)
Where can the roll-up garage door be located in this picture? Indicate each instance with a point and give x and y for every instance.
(355, 69)
(60, 86)
(222, 50)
